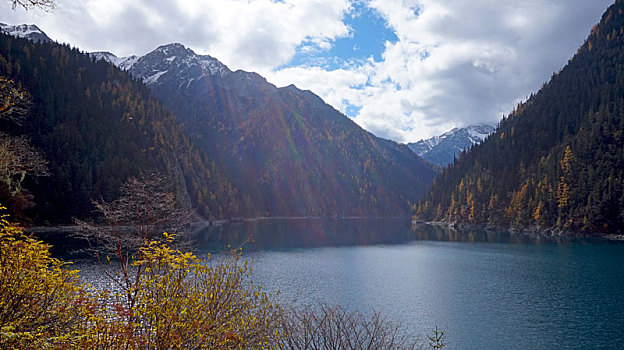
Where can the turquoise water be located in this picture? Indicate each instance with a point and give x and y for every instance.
(486, 290)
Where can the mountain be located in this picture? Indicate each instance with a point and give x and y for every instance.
(443, 149)
(96, 126)
(175, 64)
(287, 151)
(557, 161)
(28, 31)
(122, 62)
(237, 145)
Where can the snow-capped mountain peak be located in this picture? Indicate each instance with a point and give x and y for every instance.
(442, 149)
(173, 61)
(178, 56)
(28, 31)
(173, 50)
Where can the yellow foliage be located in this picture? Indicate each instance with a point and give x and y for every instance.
(192, 304)
(538, 211)
(563, 193)
(42, 304)
(563, 189)
(566, 161)
(181, 302)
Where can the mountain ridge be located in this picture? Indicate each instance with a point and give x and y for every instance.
(443, 149)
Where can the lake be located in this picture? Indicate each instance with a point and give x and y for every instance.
(486, 290)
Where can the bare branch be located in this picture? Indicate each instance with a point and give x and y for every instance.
(146, 208)
(325, 328)
(15, 102)
(45, 5)
(18, 158)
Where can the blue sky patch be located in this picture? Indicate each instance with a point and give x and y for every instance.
(369, 32)
(351, 110)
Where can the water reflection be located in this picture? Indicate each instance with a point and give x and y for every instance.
(443, 233)
(280, 234)
(277, 234)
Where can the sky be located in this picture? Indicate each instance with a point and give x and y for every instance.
(402, 69)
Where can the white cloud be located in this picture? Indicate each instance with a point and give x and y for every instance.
(252, 35)
(456, 62)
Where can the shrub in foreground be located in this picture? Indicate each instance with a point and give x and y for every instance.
(42, 303)
(180, 303)
(184, 303)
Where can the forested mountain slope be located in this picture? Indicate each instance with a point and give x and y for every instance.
(287, 151)
(97, 126)
(558, 159)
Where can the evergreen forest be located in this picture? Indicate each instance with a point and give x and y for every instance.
(96, 126)
(557, 161)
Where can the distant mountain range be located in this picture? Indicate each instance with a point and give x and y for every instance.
(239, 147)
(442, 150)
(557, 161)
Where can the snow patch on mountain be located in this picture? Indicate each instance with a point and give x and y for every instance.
(28, 31)
(479, 132)
(128, 62)
(124, 63)
(153, 78)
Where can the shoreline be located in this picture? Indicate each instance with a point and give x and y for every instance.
(535, 231)
(200, 224)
